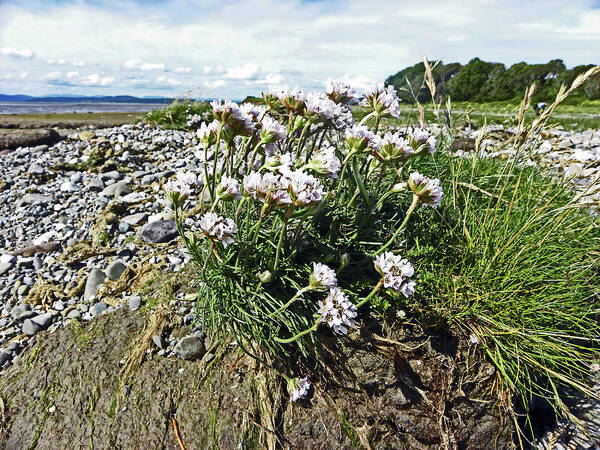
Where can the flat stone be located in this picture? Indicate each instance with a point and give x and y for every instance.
(135, 302)
(6, 258)
(158, 341)
(4, 268)
(99, 308)
(190, 348)
(34, 199)
(159, 232)
(94, 280)
(116, 190)
(95, 185)
(39, 248)
(30, 327)
(135, 219)
(87, 135)
(115, 269)
(43, 320)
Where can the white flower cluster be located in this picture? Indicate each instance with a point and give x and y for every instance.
(304, 188)
(383, 100)
(319, 104)
(322, 276)
(427, 189)
(256, 111)
(291, 98)
(291, 187)
(301, 389)
(396, 272)
(338, 311)
(231, 114)
(268, 188)
(394, 147)
(325, 162)
(229, 188)
(208, 133)
(419, 136)
(272, 130)
(339, 91)
(359, 137)
(216, 227)
(182, 186)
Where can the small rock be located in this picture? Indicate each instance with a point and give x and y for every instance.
(43, 320)
(124, 227)
(159, 232)
(158, 341)
(94, 280)
(190, 348)
(20, 311)
(99, 308)
(95, 185)
(134, 219)
(115, 269)
(87, 135)
(208, 357)
(30, 327)
(135, 302)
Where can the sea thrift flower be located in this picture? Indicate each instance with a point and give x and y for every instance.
(279, 163)
(268, 188)
(229, 188)
(338, 311)
(255, 111)
(420, 138)
(237, 120)
(428, 190)
(396, 273)
(394, 148)
(339, 91)
(383, 100)
(208, 133)
(272, 131)
(359, 138)
(182, 186)
(322, 276)
(301, 389)
(218, 228)
(291, 98)
(318, 105)
(304, 189)
(325, 162)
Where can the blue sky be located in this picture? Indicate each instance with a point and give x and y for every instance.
(232, 48)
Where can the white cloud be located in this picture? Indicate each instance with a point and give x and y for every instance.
(271, 78)
(52, 76)
(133, 63)
(213, 70)
(151, 66)
(182, 70)
(96, 80)
(78, 64)
(17, 53)
(23, 75)
(72, 74)
(57, 62)
(248, 71)
(215, 84)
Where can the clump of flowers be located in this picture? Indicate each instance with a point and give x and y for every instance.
(291, 181)
(396, 272)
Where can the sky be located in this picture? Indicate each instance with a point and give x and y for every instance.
(234, 48)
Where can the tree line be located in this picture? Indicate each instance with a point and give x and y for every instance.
(482, 81)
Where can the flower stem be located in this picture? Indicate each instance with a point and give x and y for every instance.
(279, 244)
(299, 335)
(372, 293)
(410, 210)
(292, 300)
(215, 158)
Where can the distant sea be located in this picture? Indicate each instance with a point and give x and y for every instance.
(48, 108)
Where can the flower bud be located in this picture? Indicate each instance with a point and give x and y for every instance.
(265, 277)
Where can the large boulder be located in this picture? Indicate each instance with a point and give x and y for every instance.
(28, 138)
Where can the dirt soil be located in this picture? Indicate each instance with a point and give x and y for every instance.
(69, 390)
